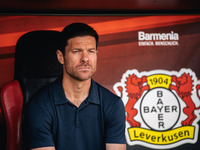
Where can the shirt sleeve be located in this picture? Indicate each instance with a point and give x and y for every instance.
(37, 127)
(115, 123)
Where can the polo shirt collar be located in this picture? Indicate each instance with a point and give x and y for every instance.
(94, 93)
(59, 95)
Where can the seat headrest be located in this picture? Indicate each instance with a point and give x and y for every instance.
(36, 63)
(35, 55)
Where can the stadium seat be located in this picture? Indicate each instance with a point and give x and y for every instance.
(35, 66)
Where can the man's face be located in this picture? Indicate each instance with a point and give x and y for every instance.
(80, 57)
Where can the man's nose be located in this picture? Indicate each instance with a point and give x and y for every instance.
(84, 57)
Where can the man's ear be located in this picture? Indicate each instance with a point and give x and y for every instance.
(60, 57)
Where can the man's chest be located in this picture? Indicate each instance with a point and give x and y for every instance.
(83, 126)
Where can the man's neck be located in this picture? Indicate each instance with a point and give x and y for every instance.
(76, 91)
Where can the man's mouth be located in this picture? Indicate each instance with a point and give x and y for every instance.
(84, 68)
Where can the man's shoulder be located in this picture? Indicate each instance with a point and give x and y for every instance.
(44, 95)
(106, 95)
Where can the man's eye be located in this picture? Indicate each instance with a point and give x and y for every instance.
(75, 51)
(92, 51)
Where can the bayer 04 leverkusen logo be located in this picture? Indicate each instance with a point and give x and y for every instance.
(162, 107)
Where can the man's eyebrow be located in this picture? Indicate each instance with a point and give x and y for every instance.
(77, 48)
(92, 48)
(82, 49)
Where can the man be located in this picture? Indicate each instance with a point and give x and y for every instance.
(75, 112)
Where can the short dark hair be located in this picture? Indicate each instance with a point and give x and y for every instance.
(74, 30)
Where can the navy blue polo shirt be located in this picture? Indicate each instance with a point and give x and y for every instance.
(52, 120)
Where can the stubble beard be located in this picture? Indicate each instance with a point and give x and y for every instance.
(80, 75)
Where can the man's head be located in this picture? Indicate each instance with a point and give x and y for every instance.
(78, 53)
(75, 30)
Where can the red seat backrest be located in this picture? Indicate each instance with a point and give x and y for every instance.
(12, 103)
